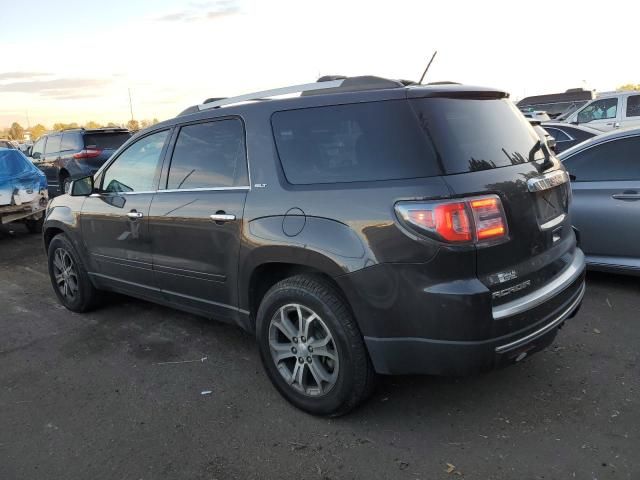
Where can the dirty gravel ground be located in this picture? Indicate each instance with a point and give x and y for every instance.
(96, 397)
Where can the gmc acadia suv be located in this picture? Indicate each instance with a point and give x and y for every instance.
(365, 226)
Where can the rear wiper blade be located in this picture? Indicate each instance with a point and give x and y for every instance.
(541, 145)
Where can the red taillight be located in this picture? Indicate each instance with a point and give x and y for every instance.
(88, 153)
(476, 219)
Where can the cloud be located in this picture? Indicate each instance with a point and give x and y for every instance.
(17, 75)
(202, 11)
(60, 88)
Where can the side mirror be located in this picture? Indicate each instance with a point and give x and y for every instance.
(81, 187)
(28, 151)
(572, 177)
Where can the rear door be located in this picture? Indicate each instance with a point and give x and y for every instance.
(114, 222)
(196, 219)
(487, 147)
(606, 199)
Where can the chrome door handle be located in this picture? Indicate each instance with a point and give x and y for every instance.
(626, 196)
(222, 217)
(135, 215)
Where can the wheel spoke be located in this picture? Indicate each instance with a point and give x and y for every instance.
(318, 373)
(282, 351)
(306, 322)
(59, 278)
(325, 352)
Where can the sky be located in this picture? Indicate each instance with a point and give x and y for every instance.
(76, 61)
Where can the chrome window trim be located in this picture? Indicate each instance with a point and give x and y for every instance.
(203, 189)
(541, 295)
(545, 329)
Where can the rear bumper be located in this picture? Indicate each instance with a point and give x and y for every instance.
(400, 356)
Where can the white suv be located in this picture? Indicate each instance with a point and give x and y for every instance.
(609, 111)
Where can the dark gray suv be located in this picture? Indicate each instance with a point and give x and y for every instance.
(366, 226)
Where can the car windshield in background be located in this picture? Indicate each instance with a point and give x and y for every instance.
(353, 143)
(473, 135)
(106, 140)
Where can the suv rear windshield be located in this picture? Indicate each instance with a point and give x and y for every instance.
(106, 140)
(399, 139)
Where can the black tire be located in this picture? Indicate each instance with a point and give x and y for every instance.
(34, 226)
(86, 295)
(355, 376)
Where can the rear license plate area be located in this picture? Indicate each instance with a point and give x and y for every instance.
(551, 204)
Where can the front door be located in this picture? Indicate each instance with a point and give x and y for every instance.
(606, 199)
(115, 222)
(603, 114)
(195, 222)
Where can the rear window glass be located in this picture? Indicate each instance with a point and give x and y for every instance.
(476, 134)
(353, 143)
(109, 141)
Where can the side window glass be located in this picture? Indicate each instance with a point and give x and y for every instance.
(53, 145)
(633, 106)
(616, 160)
(38, 148)
(209, 155)
(135, 169)
(71, 142)
(599, 110)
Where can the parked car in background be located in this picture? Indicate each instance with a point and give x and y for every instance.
(557, 104)
(609, 111)
(605, 179)
(539, 115)
(23, 190)
(377, 227)
(10, 144)
(567, 135)
(69, 154)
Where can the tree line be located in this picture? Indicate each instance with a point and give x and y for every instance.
(17, 131)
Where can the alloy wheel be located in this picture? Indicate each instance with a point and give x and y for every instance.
(303, 350)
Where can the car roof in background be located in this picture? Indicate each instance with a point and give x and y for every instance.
(605, 137)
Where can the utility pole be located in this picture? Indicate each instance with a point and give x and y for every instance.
(130, 104)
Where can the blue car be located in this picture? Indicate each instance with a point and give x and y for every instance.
(23, 190)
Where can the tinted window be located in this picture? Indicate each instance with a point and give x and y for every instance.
(71, 142)
(559, 135)
(135, 169)
(353, 143)
(209, 155)
(475, 134)
(108, 141)
(633, 106)
(53, 144)
(599, 110)
(614, 160)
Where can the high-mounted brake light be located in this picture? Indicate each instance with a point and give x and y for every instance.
(478, 219)
(88, 153)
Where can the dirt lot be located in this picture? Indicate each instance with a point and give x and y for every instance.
(117, 394)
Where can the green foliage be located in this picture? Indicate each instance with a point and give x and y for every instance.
(37, 131)
(629, 87)
(92, 125)
(133, 125)
(16, 132)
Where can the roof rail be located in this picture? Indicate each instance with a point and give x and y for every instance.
(271, 93)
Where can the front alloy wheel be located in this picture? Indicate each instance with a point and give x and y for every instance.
(303, 350)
